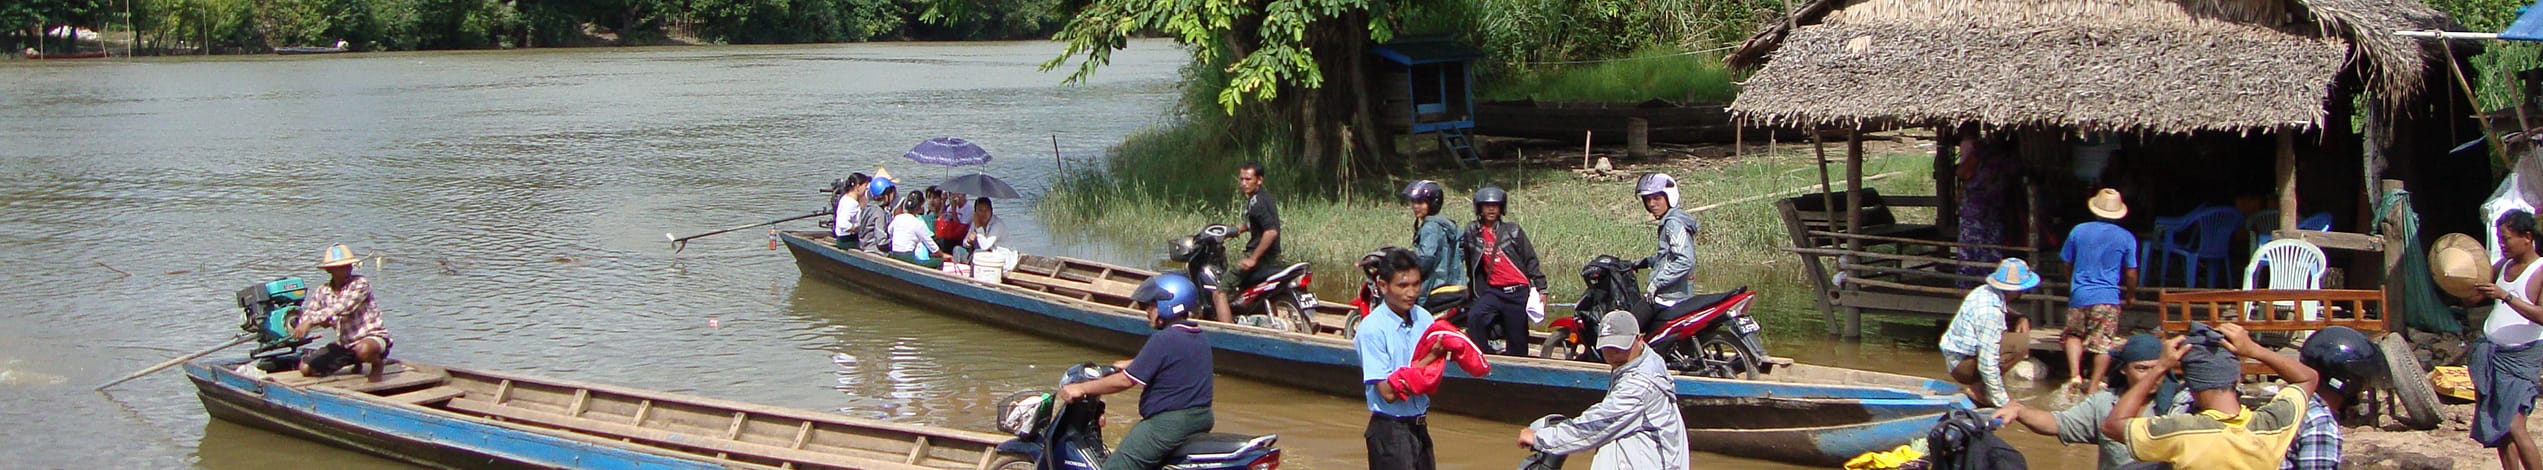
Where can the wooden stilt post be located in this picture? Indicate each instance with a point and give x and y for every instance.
(2287, 213)
(1947, 179)
(1853, 220)
(1827, 200)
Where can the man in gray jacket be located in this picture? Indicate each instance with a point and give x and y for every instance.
(1673, 264)
(1637, 424)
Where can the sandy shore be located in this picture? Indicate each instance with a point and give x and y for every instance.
(2387, 445)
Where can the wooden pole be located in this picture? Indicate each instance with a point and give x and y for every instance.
(1586, 137)
(1055, 156)
(1853, 219)
(2286, 178)
(1946, 178)
(2498, 149)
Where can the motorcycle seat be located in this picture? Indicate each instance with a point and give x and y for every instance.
(1285, 272)
(1706, 300)
(1211, 445)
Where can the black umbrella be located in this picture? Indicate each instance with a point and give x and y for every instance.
(981, 185)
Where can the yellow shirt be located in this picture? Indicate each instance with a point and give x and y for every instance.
(2254, 439)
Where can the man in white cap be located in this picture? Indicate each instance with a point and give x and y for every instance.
(1637, 424)
(343, 303)
(1973, 347)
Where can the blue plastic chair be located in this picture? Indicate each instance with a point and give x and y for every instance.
(2210, 230)
(2261, 235)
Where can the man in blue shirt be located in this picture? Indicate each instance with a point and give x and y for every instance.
(1398, 436)
(1174, 365)
(2103, 259)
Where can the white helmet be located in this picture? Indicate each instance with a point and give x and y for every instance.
(1657, 183)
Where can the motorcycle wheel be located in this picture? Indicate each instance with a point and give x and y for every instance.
(1288, 310)
(1351, 327)
(1012, 463)
(1724, 356)
(1558, 345)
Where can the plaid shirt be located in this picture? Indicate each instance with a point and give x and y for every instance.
(1977, 331)
(349, 310)
(2317, 445)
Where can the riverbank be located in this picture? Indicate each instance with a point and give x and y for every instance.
(1571, 215)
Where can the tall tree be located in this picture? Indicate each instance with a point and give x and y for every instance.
(1279, 55)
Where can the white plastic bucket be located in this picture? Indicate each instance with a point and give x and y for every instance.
(990, 267)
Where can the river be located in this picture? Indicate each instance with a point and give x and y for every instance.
(518, 200)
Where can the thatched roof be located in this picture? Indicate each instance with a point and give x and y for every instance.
(2151, 65)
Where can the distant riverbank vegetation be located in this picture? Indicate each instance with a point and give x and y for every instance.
(255, 26)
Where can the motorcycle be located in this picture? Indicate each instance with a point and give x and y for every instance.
(1443, 302)
(1053, 436)
(1279, 302)
(1708, 335)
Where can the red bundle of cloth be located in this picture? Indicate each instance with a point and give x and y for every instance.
(1442, 339)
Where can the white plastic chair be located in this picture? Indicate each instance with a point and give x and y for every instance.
(2293, 264)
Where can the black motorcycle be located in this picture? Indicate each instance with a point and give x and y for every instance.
(1708, 335)
(1053, 436)
(1279, 302)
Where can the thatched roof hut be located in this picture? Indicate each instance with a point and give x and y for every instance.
(2179, 89)
(2166, 66)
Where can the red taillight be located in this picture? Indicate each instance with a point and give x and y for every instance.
(1269, 461)
(1305, 279)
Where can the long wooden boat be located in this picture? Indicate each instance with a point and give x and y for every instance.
(1805, 414)
(309, 50)
(31, 55)
(456, 418)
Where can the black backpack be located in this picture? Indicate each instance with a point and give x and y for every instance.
(1967, 440)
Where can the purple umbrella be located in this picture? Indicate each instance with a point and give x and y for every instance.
(948, 151)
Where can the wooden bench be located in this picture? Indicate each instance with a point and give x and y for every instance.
(662, 437)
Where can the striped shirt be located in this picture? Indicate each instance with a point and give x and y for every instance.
(348, 309)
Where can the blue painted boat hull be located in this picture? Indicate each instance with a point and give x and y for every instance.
(1811, 423)
(402, 433)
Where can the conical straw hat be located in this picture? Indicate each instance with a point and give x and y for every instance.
(2459, 262)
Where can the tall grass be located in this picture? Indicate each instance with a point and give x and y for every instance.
(1667, 73)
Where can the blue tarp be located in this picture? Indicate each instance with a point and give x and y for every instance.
(2529, 26)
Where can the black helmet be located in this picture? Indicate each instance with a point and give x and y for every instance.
(2343, 354)
(1492, 195)
(1425, 190)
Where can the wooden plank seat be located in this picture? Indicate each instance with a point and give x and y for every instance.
(429, 395)
(668, 438)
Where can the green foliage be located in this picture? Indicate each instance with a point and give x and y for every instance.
(1266, 45)
(1518, 32)
(1652, 73)
(2494, 71)
(989, 19)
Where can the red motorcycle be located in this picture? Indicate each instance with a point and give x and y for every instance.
(1444, 302)
(1707, 335)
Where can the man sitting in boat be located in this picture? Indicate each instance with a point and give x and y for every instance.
(2224, 433)
(343, 303)
(983, 235)
(913, 240)
(1174, 366)
(1637, 424)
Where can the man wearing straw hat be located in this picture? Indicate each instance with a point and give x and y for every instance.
(1973, 348)
(343, 303)
(2102, 261)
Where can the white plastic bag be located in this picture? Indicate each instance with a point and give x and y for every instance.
(1536, 306)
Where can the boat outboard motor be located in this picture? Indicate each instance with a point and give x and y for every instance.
(1070, 435)
(268, 310)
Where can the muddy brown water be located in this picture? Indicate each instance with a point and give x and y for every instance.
(519, 199)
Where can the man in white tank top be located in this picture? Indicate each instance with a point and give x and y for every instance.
(2505, 363)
